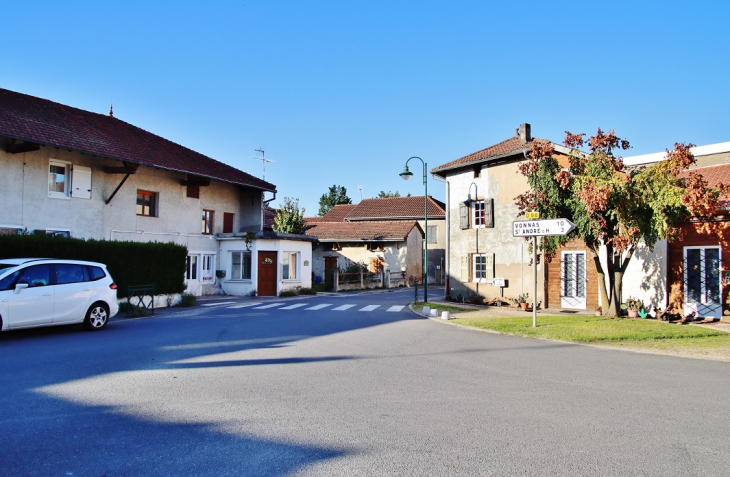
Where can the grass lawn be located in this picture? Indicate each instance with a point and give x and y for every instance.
(629, 333)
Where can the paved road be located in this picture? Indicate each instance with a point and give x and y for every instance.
(219, 390)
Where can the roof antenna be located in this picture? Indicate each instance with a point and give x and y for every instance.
(359, 188)
(111, 110)
(263, 160)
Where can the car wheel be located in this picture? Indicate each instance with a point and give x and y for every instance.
(96, 317)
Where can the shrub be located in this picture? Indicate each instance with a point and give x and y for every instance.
(186, 300)
(307, 291)
(285, 293)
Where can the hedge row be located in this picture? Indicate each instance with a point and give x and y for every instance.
(130, 263)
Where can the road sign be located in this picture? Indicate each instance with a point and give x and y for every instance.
(537, 228)
(532, 215)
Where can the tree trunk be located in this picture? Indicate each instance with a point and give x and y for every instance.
(601, 278)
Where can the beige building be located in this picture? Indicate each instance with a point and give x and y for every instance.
(480, 208)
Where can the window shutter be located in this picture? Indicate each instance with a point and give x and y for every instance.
(463, 216)
(489, 259)
(489, 213)
(465, 268)
(81, 182)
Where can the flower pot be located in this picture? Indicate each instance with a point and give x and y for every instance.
(524, 305)
(633, 313)
(598, 313)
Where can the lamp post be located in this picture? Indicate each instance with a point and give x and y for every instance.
(406, 174)
(476, 229)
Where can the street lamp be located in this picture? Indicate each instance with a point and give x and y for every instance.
(406, 174)
(476, 229)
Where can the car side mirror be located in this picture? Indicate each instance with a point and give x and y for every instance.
(20, 286)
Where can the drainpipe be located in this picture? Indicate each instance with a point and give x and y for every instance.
(448, 231)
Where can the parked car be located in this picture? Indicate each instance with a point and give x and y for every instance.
(46, 292)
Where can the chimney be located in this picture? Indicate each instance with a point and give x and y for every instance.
(525, 136)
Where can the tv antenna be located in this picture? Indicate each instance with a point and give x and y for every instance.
(359, 188)
(263, 160)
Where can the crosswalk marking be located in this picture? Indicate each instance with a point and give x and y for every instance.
(396, 308)
(369, 308)
(245, 305)
(318, 307)
(270, 305)
(291, 307)
(219, 303)
(342, 308)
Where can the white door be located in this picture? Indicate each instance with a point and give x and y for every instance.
(573, 280)
(208, 265)
(702, 285)
(73, 293)
(192, 275)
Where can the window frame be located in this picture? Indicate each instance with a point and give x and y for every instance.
(245, 268)
(474, 267)
(208, 218)
(153, 209)
(478, 222)
(289, 262)
(54, 194)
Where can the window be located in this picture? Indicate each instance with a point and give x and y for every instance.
(289, 267)
(208, 262)
(10, 231)
(241, 266)
(146, 203)
(192, 267)
(7, 282)
(482, 213)
(477, 171)
(228, 222)
(58, 179)
(433, 234)
(208, 222)
(70, 273)
(482, 268)
(36, 276)
(58, 233)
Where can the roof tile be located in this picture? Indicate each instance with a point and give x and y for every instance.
(387, 231)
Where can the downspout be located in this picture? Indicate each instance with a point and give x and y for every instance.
(448, 232)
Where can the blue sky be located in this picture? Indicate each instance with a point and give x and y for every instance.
(344, 92)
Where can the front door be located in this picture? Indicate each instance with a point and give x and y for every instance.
(330, 265)
(267, 274)
(702, 287)
(573, 280)
(192, 275)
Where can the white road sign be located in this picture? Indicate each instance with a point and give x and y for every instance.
(532, 228)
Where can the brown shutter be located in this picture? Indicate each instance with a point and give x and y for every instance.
(463, 216)
(227, 223)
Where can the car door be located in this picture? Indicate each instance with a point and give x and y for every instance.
(73, 292)
(30, 303)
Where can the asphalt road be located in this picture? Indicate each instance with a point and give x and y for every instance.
(244, 390)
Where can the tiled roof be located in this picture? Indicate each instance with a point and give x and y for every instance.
(269, 214)
(511, 146)
(714, 175)
(385, 231)
(44, 122)
(338, 212)
(396, 207)
(313, 220)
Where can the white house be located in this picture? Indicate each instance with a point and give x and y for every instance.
(75, 173)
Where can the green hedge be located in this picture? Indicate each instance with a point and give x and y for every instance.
(130, 263)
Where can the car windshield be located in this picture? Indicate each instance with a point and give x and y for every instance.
(3, 266)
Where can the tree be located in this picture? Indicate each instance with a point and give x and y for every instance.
(613, 206)
(384, 194)
(288, 219)
(337, 195)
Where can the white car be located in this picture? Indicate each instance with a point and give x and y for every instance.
(45, 292)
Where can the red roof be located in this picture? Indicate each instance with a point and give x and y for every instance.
(382, 231)
(396, 208)
(44, 122)
(714, 175)
(338, 213)
(508, 147)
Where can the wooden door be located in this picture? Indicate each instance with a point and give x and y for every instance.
(267, 274)
(330, 264)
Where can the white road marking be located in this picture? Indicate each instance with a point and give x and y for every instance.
(396, 308)
(270, 305)
(219, 303)
(291, 307)
(369, 308)
(342, 308)
(245, 305)
(318, 307)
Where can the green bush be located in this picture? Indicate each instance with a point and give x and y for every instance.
(130, 263)
(307, 291)
(285, 293)
(186, 299)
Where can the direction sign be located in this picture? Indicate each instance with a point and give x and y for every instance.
(536, 228)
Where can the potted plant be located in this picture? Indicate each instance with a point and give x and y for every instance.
(634, 305)
(522, 300)
(599, 310)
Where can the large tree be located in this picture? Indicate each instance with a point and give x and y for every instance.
(337, 195)
(614, 208)
(289, 219)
